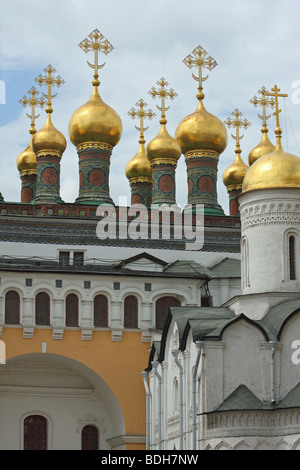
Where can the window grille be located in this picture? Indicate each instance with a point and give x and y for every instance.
(162, 309)
(12, 308)
(130, 312)
(100, 311)
(42, 309)
(292, 259)
(64, 258)
(89, 438)
(72, 310)
(78, 257)
(35, 433)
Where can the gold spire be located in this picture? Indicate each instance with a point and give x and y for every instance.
(277, 169)
(201, 130)
(233, 176)
(96, 42)
(139, 168)
(26, 161)
(49, 138)
(163, 147)
(199, 59)
(95, 121)
(264, 146)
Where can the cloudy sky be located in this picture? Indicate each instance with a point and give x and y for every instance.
(255, 43)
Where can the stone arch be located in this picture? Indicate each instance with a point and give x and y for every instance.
(93, 401)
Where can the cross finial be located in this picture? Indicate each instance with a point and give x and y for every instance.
(33, 102)
(96, 42)
(162, 93)
(199, 59)
(263, 102)
(237, 123)
(141, 114)
(49, 80)
(276, 95)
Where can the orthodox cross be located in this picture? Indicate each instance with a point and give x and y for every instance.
(162, 93)
(264, 102)
(276, 95)
(96, 42)
(32, 101)
(141, 114)
(49, 80)
(199, 59)
(237, 123)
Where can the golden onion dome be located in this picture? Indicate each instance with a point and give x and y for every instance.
(49, 138)
(277, 169)
(26, 161)
(139, 166)
(163, 147)
(95, 121)
(265, 146)
(234, 175)
(201, 131)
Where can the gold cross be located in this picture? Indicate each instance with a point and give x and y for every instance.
(141, 114)
(163, 94)
(264, 102)
(276, 94)
(33, 102)
(50, 81)
(201, 62)
(237, 122)
(96, 42)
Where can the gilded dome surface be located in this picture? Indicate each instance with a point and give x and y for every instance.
(265, 146)
(49, 138)
(139, 165)
(201, 131)
(26, 161)
(235, 173)
(95, 121)
(277, 169)
(163, 146)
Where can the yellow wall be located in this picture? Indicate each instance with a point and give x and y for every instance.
(119, 364)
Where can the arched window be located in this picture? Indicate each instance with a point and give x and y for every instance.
(35, 433)
(72, 309)
(130, 312)
(42, 309)
(162, 309)
(292, 258)
(89, 438)
(12, 308)
(100, 311)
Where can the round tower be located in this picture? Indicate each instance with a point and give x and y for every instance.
(26, 161)
(234, 175)
(202, 138)
(163, 153)
(48, 145)
(94, 129)
(270, 220)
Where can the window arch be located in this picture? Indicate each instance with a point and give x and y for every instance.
(163, 305)
(72, 310)
(35, 432)
(130, 312)
(89, 438)
(12, 308)
(42, 309)
(100, 311)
